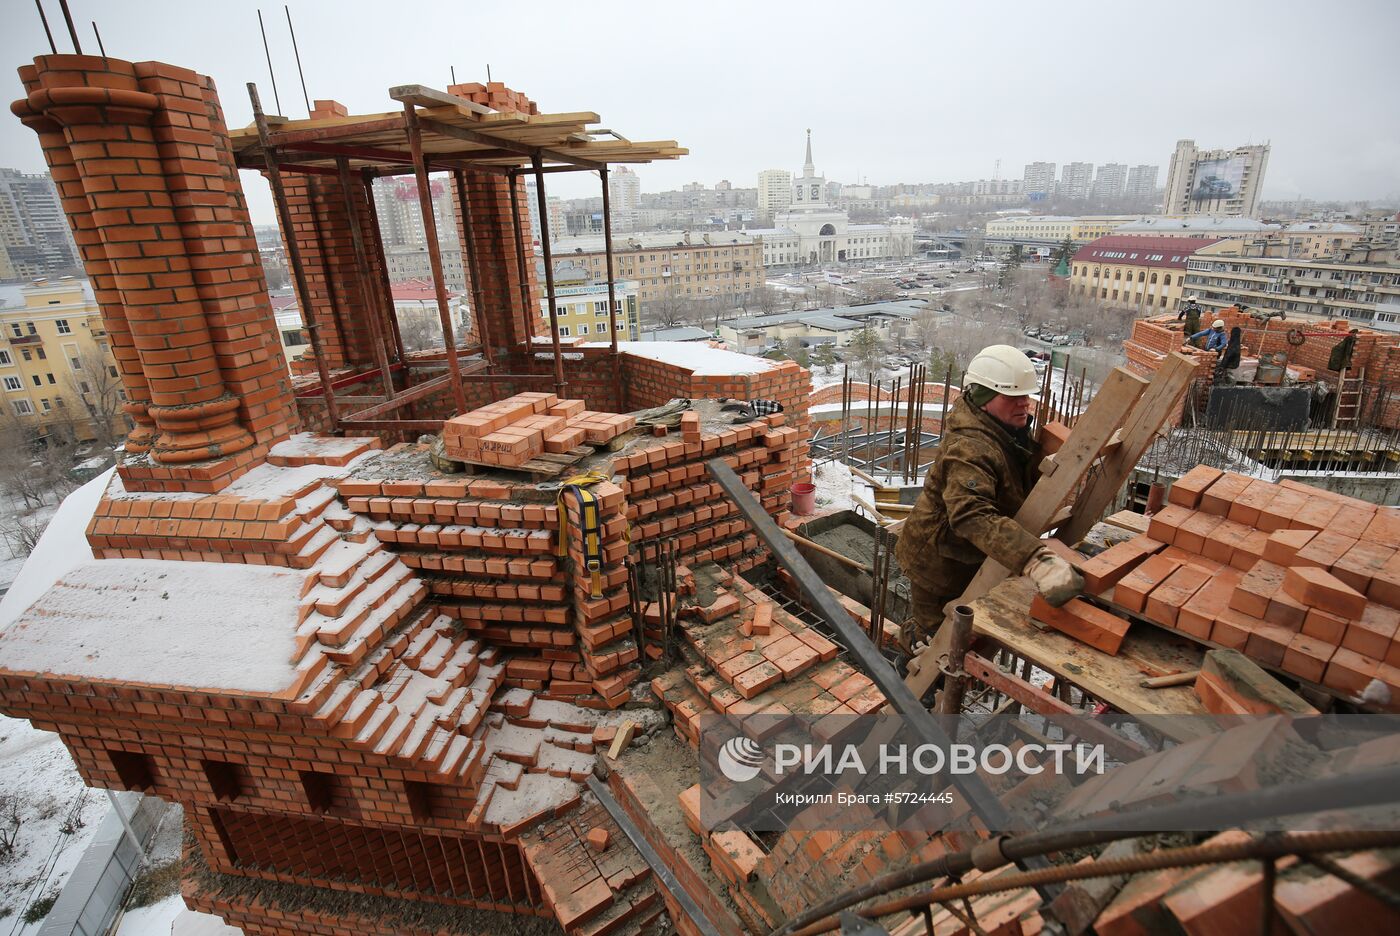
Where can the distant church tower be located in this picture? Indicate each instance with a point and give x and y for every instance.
(809, 189)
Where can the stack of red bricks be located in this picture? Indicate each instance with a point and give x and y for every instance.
(1299, 579)
(487, 551)
(747, 656)
(513, 431)
(671, 495)
(495, 95)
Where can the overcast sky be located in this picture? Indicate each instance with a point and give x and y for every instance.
(929, 91)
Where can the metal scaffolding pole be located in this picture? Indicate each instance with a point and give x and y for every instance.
(559, 386)
(367, 295)
(425, 204)
(525, 308)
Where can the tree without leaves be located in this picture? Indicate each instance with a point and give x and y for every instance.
(101, 395)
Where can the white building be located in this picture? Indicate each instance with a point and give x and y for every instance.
(625, 196)
(1039, 178)
(810, 231)
(1142, 182)
(774, 193)
(1076, 179)
(1215, 182)
(1110, 181)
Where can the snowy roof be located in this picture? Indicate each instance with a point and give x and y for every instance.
(681, 333)
(1205, 224)
(63, 546)
(207, 625)
(702, 360)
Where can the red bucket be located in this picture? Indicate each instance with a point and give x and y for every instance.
(804, 498)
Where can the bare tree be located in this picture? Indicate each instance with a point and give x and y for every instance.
(875, 290)
(95, 383)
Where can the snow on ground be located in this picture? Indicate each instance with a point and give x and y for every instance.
(36, 771)
(155, 920)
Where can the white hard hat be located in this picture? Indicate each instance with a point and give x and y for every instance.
(1004, 369)
(1190, 298)
(1218, 323)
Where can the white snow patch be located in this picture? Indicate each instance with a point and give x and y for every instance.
(196, 624)
(835, 486)
(700, 359)
(307, 444)
(63, 547)
(536, 793)
(190, 923)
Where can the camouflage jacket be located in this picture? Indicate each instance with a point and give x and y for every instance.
(979, 478)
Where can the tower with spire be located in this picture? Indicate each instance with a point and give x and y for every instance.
(809, 189)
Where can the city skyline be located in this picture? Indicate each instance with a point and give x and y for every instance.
(1025, 95)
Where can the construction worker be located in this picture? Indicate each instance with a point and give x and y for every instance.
(1215, 337)
(985, 465)
(1191, 312)
(1340, 358)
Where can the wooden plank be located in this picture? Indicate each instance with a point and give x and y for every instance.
(1002, 617)
(420, 96)
(1128, 520)
(1106, 412)
(1162, 396)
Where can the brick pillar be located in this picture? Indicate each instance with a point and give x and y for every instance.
(150, 153)
(493, 236)
(79, 207)
(320, 224)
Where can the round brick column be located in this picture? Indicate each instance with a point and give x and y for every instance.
(78, 208)
(108, 126)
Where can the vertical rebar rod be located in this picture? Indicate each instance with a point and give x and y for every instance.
(43, 18)
(72, 30)
(608, 255)
(559, 385)
(276, 98)
(284, 217)
(297, 52)
(100, 47)
(430, 231)
(367, 299)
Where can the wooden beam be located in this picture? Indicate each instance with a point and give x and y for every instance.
(421, 96)
(1162, 396)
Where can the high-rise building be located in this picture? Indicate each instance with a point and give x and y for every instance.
(1076, 179)
(1110, 181)
(35, 239)
(1039, 180)
(1142, 182)
(1217, 182)
(625, 195)
(401, 215)
(774, 193)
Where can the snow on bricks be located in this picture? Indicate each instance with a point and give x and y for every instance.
(1299, 579)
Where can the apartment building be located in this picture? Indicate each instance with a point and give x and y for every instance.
(581, 305)
(674, 264)
(35, 239)
(1143, 273)
(1215, 182)
(1360, 283)
(56, 366)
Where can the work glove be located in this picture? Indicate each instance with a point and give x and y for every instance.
(1054, 578)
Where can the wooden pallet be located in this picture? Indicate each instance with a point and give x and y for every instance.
(542, 467)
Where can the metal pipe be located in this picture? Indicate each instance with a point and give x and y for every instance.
(559, 385)
(529, 312)
(43, 18)
(72, 30)
(425, 203)
(297, 52)
(100, 47)
(464, 211)
(352, 217)
(284, 218)
(276, 99)
(951, 696)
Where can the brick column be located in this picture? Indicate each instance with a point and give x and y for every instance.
(320, 224)
(109, 124)
(78, 205)
(493, 235)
